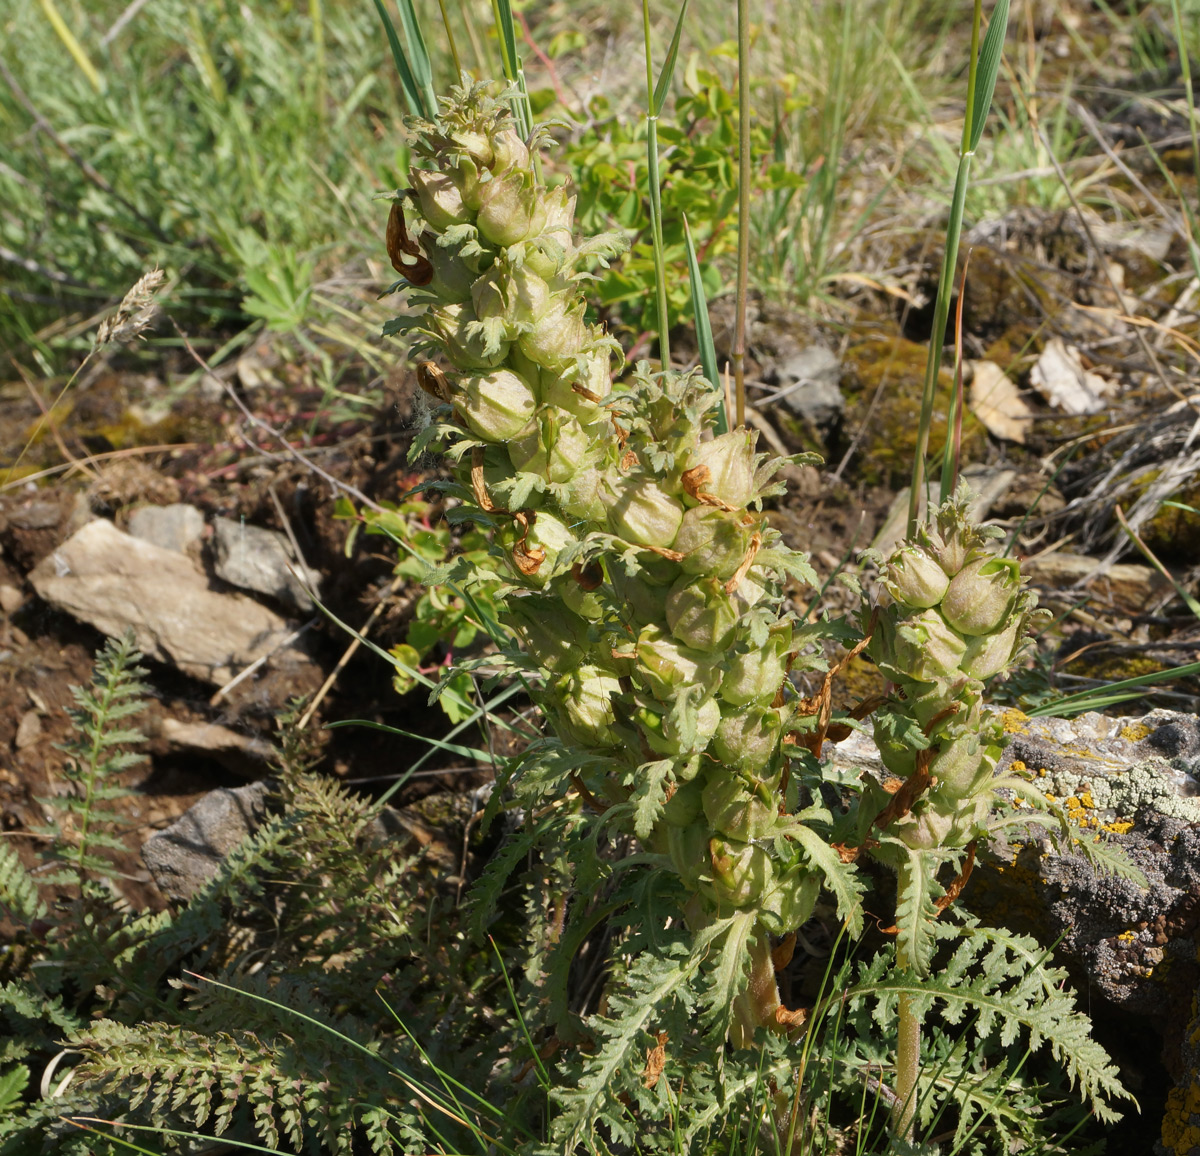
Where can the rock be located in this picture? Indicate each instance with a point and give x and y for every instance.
(1127, 585)
(1133, 782)
(114, 581)
(809, 383)
(242, 754)
(36, 514)
(185, 856)
(11, 599)
(261, 560)
(29, 730)
(174, 527)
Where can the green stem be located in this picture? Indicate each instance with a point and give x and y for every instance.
(743, 265)
(908, 1042)
(450, 40)
(756, 1005)
(660, 263)
(941, 312)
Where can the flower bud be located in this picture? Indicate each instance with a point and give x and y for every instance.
(739, 809)
(700, 614)
(457, 329)
(730, 460)
(509, 209)
(988, 654)
(585, 713)
(509, 152)
(914, 578)
(981, 594)
(441, 202)
(666, 667)
(549, 251)
(555, 446)
(749, 741)
(756, 675)
(713, 542)
(556, 337)
(741, 873)
(642, 513)
(926, 647)
(496, 406)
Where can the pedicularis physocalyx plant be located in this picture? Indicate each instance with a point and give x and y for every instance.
(646, 591)
(647, 585)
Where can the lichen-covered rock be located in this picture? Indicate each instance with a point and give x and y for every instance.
(1135, 783)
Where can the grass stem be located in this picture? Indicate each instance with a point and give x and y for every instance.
(743, 258)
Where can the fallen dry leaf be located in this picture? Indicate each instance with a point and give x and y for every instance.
(1060, 378)
(997, 402)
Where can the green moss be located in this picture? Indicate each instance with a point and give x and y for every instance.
(1174, 534)
(891, 435)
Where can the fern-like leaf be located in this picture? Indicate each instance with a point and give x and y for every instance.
(657, 978)
(19, 894)
(998, 983)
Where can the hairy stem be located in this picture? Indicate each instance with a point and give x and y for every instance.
(908, 1044)
(756, 1005)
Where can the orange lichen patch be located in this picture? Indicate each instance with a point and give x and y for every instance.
(1086, 800)
(1014, 722)
(1127, 936)
(1018, 767)
(1180, 1127)
(1135, 732)
(1118, 826)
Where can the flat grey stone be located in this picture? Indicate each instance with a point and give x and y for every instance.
(185, 856)
(809, 384)
(174, 527)
(261, 560)
(114, 581)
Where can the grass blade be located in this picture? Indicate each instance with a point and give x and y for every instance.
(704, 337)
(412, 92)
(515, 74)
(73, 46)
(422, 70)
(989, 68)
(652, 177)
(668, 69)
(1111, 694)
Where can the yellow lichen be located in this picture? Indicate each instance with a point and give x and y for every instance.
(1086, 800)
(1018, 767)
(1135, 732)
(1119, 826)
(1015, 722)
